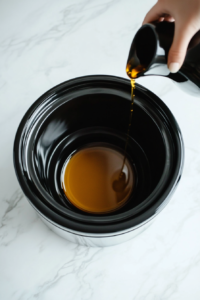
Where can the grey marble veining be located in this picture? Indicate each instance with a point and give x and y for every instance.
(43, 43)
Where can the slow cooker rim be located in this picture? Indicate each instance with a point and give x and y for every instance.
(20, 176)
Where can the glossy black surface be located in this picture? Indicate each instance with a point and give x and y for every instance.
(96, 109)
(150, 48)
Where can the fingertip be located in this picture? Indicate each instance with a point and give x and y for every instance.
(174, 67)
(161, 19)
(169, 18)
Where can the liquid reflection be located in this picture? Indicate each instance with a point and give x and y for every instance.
(88, 180)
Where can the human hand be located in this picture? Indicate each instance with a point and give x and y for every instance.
(186, 14)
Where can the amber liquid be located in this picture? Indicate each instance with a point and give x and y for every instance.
(132, 73)
(100, 179)
(88, 179)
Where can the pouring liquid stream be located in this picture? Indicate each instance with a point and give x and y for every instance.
(120, 184)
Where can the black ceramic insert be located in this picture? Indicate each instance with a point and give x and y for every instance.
(95, 109)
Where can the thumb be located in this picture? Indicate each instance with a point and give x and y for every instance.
(179, 46)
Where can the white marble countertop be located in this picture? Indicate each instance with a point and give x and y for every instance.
(43, 43)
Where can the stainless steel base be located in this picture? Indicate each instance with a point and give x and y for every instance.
(96, 240)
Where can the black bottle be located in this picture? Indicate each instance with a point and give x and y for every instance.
(150, 48)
